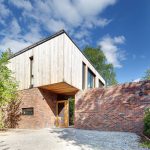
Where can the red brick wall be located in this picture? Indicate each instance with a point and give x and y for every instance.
(116, 108)
(44, 104)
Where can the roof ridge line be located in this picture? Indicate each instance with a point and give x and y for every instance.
(38, 43)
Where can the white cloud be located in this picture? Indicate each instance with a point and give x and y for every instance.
(16, 41)
(72, 16)
(76, 16)
(34, 35)
(15, 27)
(81, 34)
(4, 12)
(90, 8)
(69, 14)
(137, 80)
(119, 39)
(25, 4)
(55, 25)
(13, 44)
(102, 22)
(110, 47)
(11, 30)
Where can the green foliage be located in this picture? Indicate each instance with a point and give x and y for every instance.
(147, 122)
(98, 59)
(1, 119)
(147, 75)
(71, 112)
(8, 85)
(145, 144)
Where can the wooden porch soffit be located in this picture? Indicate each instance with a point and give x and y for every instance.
(61, 88)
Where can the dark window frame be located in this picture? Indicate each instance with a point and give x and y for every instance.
(83, 75)
(27, 112)
(31, 71)
(91, 77)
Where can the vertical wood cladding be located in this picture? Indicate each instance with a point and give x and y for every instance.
(54, 61)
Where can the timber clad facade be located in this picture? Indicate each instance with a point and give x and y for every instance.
(56, 66)
(57, 60)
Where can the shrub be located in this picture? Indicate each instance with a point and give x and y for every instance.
(1, 119)
(13, 114)
(147, 122)
(71, 112)
(8, 86)
(145, 144)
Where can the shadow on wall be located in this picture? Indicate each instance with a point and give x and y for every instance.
(50, 99)
(116, 108)
(13, 114)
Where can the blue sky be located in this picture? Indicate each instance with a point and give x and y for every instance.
(120, 27)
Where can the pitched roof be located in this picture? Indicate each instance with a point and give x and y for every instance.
(38, 43)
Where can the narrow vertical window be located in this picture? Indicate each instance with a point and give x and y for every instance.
(31, 71)
(91, 79)
(83, 75)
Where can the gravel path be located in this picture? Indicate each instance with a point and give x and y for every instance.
(67, 139)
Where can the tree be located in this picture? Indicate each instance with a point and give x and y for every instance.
(147, 75)
(147, 122)
(71, 111)
(98, 59)
(8, 85)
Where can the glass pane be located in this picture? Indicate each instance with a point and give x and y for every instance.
(27, 111)
(60, 108)
(91, 79)
(83, 75)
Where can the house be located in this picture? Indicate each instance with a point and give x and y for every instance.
(49, 72)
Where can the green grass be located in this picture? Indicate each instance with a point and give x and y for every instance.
(145, 144)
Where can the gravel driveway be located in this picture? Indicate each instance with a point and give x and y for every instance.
(67, 139)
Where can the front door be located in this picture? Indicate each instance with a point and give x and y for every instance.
(62, 119)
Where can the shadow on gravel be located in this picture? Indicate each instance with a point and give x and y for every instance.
(74, 137)
(3, 146)
(99, 140)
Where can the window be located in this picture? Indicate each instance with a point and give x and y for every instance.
(100, 83)
(27, 111)
(91, 79)
(83, 75)
(31, 71)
